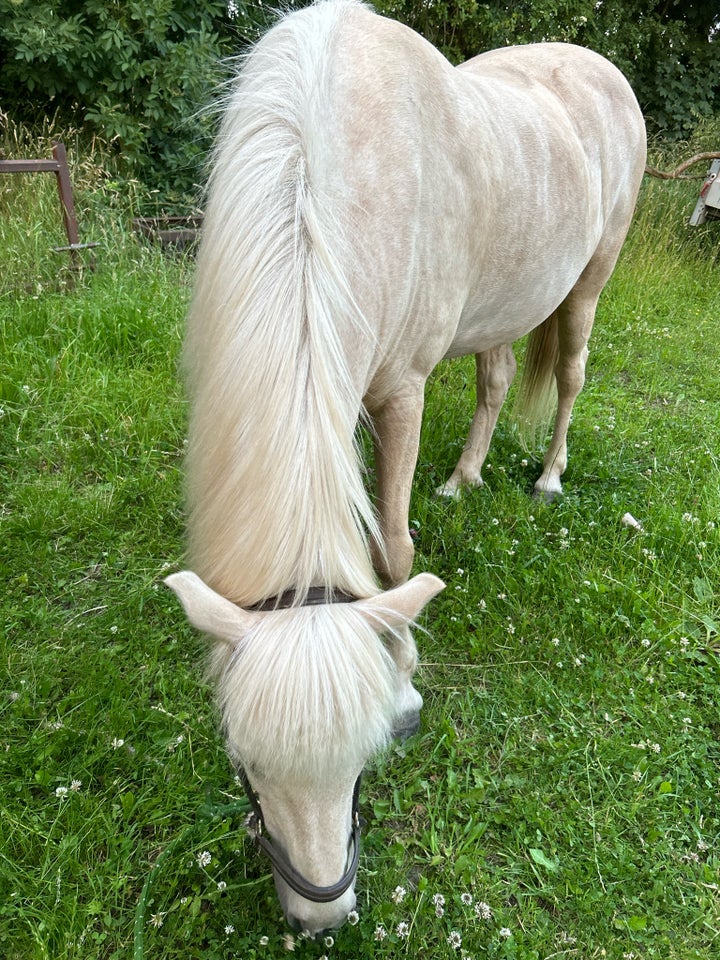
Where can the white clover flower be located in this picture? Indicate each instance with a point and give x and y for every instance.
(645, 642)
(398, 894)
(61, 792)
(353, 917)
(117, 743)
(466, 899)
(222, 886)
(75, 785)
(204, 859)
(505, 932)
(454, 940)
(403, 929)
(156, 920)
(380, 932)
(229, 929)
(329, 942)
(483, 910)
(264, 941)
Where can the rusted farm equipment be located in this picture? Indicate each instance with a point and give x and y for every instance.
(58, 165)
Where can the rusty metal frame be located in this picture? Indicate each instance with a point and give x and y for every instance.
(59, 166)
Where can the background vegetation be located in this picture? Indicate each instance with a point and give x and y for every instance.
(561, 799)
(139, 75)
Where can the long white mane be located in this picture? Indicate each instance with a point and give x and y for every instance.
(275, 489)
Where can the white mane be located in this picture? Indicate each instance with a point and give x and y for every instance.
(308, 691)
(275, 489)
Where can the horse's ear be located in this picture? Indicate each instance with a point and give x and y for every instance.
(210, 612)
(402, 604)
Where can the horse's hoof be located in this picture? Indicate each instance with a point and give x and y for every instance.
(449, 490)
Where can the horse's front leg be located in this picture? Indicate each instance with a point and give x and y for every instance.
(495, 370)
(397, 438)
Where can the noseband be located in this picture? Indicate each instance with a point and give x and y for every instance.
(256, 821)
(281, 864)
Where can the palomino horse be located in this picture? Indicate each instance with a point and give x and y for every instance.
(371, 210)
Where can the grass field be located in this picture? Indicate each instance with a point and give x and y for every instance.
(563, 796)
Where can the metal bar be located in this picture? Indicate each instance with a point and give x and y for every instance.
(66, 196)
(29, 166)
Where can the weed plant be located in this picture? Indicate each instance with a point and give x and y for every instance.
(562, 796)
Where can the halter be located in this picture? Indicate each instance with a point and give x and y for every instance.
(256, 821)
(295, 880)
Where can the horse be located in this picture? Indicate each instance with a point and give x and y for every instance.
(371, 210)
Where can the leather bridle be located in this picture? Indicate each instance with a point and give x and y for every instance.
(256, 821)
(295, 880)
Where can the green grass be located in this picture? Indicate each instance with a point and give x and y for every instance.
(567, 771)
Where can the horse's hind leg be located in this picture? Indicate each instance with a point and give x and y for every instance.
(494, 371)
(575, 320)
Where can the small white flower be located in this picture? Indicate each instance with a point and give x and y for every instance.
(380, 932)
(353, 917)
(454, 939)
(204, 859)
(329, 942)
(75, 785)
(229, 929)
(222, 886)
(403, 929)
(466, 899)
(483, 910)
(264, 941)
(505, 932)
(117, 743)
(645, 642)
(398, 894)
(61, 792)
(156, 920)
(288, 942)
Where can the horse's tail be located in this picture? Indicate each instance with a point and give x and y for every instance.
(537, 394)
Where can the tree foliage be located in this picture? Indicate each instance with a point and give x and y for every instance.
(139, 72)
(135, 72)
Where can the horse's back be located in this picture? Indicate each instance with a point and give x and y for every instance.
(474, 196)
